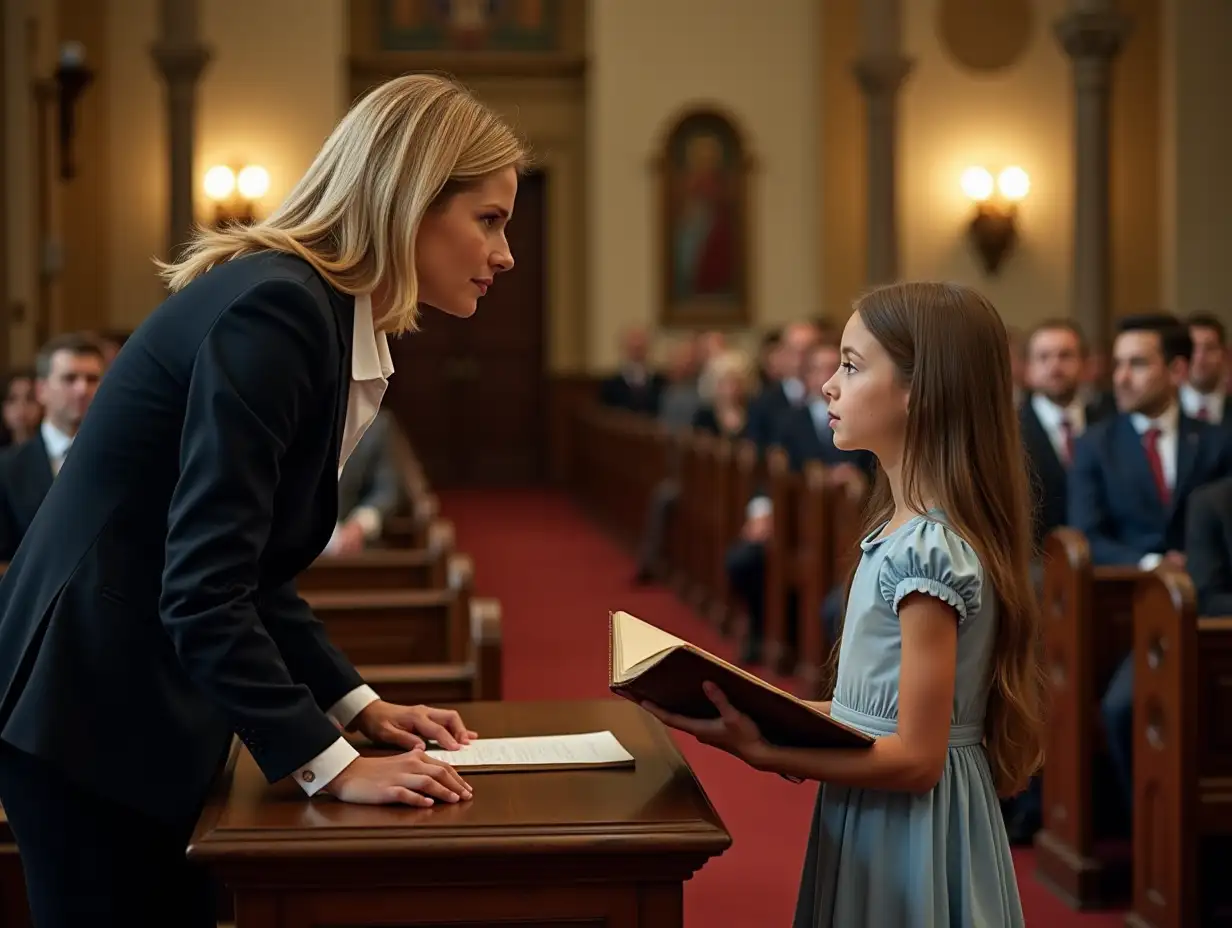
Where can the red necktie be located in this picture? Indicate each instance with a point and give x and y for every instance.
(1204, 414)
(1150, 443)
(1067, 439)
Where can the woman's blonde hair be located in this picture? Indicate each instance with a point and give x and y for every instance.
(731, 362)
(963, 445)
(409, 144)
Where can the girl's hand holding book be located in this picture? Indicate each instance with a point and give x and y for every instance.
(732, 731)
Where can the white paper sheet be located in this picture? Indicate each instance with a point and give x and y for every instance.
(598, 747)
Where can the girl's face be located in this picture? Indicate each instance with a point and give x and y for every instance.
(868, 400)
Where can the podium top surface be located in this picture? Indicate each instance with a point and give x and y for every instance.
(656, 807)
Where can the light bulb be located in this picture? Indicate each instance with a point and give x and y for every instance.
(253, 182)
(977, 184)
(1014, 183)
(219, 182)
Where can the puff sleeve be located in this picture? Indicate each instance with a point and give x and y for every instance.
(931, 558)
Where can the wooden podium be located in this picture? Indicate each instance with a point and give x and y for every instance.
(567, 849)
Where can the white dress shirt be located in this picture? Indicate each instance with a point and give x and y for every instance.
(1051, 415)
(371, 367)
(56, 443)
(1168, 424)
(1193, 402)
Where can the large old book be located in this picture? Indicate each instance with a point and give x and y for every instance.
(649, 665)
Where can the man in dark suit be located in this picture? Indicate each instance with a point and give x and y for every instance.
(1052, 416)
(1132, 477)
(67, 372)
(635, 386)
(369, 489)
(1208, 546)
(1203, 395)
(788, 392)
(804, 433)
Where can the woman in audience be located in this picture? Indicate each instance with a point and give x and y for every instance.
(729, 380)
(22, 410)
(151, 610)
(938, 660)
(725, 386)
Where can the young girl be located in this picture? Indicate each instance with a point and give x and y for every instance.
(938, 659)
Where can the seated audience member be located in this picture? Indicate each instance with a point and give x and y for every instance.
(725, 405)
(1208, 546)
(1052, 416)
(730, 380)
(1203, 393)
(805, 434)
(22, 412)
(769, 364)
(635, 386)
(681, 398)
(1132, 477)
(67, 372)
(788, 392)
(369, 489)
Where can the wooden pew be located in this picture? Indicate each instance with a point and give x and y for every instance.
(1182, 758)
(830, 523)
(401, 626)
(784, 565)
(1087, 616)
(385, 568)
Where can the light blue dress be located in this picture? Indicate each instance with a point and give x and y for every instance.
(937, 860)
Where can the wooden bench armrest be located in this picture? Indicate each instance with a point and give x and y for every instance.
(486, 622)
(376, 674)
(441, 536)
(461, 572)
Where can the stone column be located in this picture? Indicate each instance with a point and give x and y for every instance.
(880, 71)
(1092, 33)
(181, 57)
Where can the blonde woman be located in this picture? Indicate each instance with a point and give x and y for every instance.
(151, 611)
(729, 382)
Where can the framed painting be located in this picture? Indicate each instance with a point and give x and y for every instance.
(526, 26)
(705, 226)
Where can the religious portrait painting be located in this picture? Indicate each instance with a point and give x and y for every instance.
(469, 25)
(705, 228)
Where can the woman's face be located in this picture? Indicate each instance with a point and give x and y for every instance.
(22, 412)
(729, 389)
(461, 244)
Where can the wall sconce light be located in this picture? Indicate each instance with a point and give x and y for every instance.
(234, 193)
(64, 88)
(993, 228)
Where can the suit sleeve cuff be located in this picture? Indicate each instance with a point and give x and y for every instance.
(315, 775)
(1150, 561)
(345, 709)
(369, 519)
(758, 506)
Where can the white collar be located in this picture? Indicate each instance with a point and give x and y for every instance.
(1050, 413)
(1167, 422)
(56, 442)
(370, 358)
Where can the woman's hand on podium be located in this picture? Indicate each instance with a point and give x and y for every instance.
(409, 727)
(413, 779)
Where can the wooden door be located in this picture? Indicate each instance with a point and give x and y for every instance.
(470, 392)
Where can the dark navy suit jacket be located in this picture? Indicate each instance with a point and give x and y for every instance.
(1112, 495)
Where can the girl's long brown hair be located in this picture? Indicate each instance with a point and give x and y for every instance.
(963, 446)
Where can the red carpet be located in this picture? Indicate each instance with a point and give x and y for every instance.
(557, 577)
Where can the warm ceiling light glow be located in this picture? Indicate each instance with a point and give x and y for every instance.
(219, 182)
(1013, 183)
(253, 182)
(977, 184)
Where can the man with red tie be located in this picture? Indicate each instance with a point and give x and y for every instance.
(1132, 476)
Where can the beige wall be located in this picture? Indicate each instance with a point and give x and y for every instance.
(1197, 199)
(270, 94)
(652, 58)
(1017, 116)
